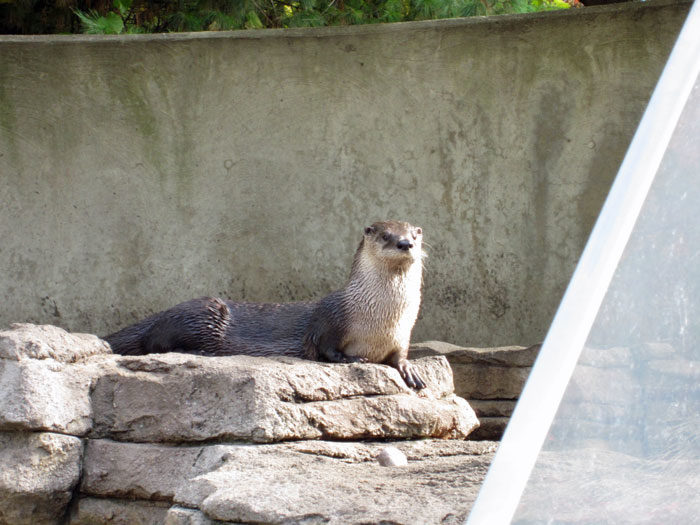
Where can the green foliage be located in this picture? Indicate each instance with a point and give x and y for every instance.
(131, 16)
(94, 24)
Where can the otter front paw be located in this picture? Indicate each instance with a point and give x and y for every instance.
(410, 375)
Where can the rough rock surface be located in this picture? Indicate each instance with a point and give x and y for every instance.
(490, 379)
(29, 341)
(299, 482)
(65, 392)
(493, 417)
(182, 398)
(182, 516)
(45, 378)
(97, 511)
(47, 395)
(38, 472)
(484, 373)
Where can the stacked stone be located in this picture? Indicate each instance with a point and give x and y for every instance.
(90, 437)
(490, 379)
(45, 411)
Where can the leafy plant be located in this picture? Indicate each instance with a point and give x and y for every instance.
(132, 16)
(114, 22)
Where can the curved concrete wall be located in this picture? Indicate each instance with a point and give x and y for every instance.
(144, 170)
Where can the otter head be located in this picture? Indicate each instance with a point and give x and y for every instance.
(396, 244)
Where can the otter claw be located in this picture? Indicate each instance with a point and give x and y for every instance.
(414, 381)
(410, 376)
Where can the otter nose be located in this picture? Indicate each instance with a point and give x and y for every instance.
(404, 244)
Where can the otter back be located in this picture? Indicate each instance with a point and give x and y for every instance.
(212, 326)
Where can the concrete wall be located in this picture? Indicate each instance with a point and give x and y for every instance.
(144, 170)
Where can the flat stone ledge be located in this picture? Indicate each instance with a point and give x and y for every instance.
(70, 383)
(492, 407)
(484, 373)
(282, 483)
(510, 356)
(493, 418)
(183, 398)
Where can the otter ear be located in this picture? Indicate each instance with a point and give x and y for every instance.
(369, 230)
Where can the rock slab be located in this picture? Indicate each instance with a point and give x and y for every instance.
(30, 341)
(300, 482)
(153, 429)
(180, 398)
(46, 375)
(490, 379)
(39, 472)
(72, 384)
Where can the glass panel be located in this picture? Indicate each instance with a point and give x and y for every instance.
(607, 426)
(625, 443)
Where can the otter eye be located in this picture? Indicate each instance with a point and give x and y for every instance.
(417, 231)
(385, 236)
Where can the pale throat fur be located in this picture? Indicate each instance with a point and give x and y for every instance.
(385, 290)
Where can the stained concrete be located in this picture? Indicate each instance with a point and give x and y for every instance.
(139, 171)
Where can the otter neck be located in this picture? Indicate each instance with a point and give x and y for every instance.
(384, 290)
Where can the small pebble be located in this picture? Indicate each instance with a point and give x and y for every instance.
(392, 457)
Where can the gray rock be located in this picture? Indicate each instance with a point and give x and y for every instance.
(493, 418)
(45, 378)
(297, 482)
(302, 488)
(48, 377)
(144, 471)
(651, 351)
(609, 414)
(616, 357)
(72, 384)
(484, 373)
(180, 398)
(181, 516)
(38, 474)
(492, 408)
(47, 395)
(414, 450)
(508, 356)
(672, 378)
(603, 385)
(29, 341)
(96, 511)
(583, 434)
(476, 381)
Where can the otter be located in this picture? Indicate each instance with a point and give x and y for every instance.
(369, 320)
